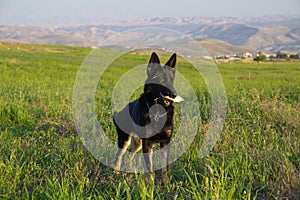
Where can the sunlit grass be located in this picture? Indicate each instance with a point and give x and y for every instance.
(257, 155)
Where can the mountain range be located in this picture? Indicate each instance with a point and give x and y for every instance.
(216, 34)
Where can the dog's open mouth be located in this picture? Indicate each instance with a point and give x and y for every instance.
(168, 100)
(177, 99)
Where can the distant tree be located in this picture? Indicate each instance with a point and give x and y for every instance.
(260, 57)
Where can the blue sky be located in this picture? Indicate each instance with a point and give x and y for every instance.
(98, 11)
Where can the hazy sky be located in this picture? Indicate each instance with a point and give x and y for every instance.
(94, 11)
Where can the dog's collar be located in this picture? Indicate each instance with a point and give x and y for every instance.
(156, 117)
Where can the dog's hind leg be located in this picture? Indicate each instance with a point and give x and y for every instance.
(136, 146)
(123, 143)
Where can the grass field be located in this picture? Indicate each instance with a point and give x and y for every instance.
(42, 157)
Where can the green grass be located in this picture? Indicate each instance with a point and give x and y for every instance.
(42, 157)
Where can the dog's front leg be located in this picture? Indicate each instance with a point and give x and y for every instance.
(148, 152)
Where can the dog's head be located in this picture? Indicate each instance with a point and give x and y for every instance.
(159, 86)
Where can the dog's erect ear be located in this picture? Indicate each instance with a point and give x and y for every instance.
(172, 61)
(154, 58)
(171, 65)
(153, 65)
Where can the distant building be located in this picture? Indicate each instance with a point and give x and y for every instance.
(282, 55)
(287, 55)
(294, 56)
(246, 55)
(261, 56)
(266, 56)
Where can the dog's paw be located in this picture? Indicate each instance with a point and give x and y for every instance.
(115, 167)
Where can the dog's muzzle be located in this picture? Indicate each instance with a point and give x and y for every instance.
(167, 100)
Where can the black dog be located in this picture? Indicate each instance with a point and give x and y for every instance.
(149, 119)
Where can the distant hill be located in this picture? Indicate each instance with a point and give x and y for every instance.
(245, 33)
(218, 47)
(235, 34)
